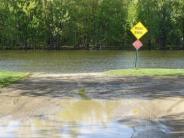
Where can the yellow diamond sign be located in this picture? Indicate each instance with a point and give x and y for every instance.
(139, 30)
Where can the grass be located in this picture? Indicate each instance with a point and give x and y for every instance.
(7, 78)
(146, 72)
(83, 95)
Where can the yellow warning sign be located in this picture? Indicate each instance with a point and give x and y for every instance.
(139, 30)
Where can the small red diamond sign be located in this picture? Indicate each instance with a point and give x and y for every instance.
(137, 44)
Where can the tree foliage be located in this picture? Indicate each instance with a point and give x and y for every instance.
(90, 24)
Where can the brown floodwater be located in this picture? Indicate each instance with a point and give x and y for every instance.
(80, 106)
(87, 61)
(91, 106)
(70, 118)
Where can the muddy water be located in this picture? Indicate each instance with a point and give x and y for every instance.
(92, 106)
(86, 61)
(26, 117)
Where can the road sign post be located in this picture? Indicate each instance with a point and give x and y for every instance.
(136, 58)
(139, 30)
(137, 44)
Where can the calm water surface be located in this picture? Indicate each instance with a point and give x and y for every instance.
(86, 61)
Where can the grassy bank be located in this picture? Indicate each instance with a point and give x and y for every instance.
(146, 72)
(7, 78)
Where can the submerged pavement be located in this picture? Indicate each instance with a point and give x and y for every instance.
(93, 106)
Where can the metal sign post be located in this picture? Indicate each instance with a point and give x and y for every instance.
(136, 58)
(139, 30)
(137, 44)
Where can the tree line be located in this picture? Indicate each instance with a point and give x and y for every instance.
(90, 24)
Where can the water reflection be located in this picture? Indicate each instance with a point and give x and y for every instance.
(86, 61)
(88, 119)
(8, 129)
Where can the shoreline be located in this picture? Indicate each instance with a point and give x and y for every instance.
(9, 77)
(140, 72)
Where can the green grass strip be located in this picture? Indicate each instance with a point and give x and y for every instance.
(7, 78)
(146, 72)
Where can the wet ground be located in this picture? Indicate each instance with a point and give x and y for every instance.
(93, 106)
